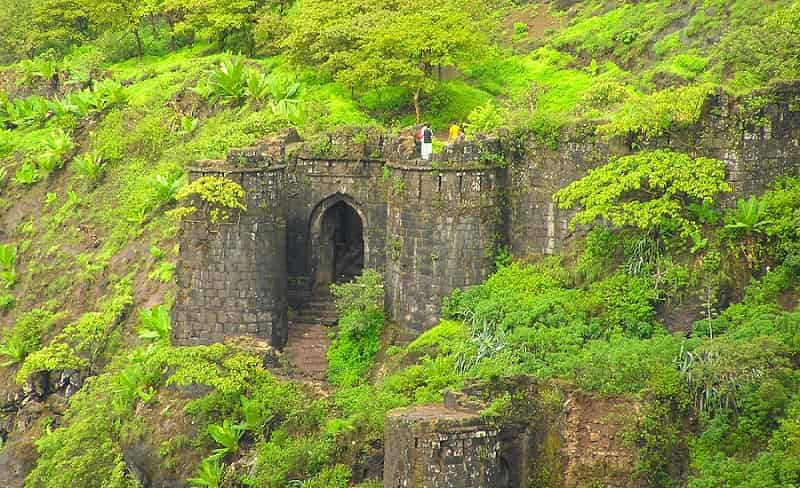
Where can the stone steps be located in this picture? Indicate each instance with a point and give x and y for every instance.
(309, 337)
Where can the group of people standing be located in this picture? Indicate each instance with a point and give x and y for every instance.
(424, 138)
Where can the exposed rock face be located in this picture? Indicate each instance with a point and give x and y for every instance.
(430, 226)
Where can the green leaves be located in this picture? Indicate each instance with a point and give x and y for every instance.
(219, 196)
(226, 435)
(166, 187)
(155, 324)
(56, 147)
(233, 82)
(375, 44)
(209, 473)
(89, 167)
(8, 257)
(749, 217)
(645, 190)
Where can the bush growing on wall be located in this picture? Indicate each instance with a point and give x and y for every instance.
(360, 305)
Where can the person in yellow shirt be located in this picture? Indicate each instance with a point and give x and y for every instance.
(455, 130)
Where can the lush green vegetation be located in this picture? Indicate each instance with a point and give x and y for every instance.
(103, 103)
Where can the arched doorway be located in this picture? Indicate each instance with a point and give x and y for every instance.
(338, 241)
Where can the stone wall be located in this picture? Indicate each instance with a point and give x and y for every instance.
(313, 185)
(442, 226)
(756, 146)
(430, 446)
(429, 226)
(232, 273)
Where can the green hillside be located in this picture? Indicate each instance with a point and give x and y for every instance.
(103, 105)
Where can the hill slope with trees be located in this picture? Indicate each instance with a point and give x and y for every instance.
(104, 103)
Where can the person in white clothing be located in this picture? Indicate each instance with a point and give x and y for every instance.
(427, 142)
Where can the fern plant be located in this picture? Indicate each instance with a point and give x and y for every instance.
(226, 435)
(209, 474)
(155, 323)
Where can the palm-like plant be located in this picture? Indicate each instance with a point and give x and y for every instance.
(285, 101)
(259, 86)
(15, 351)
(25, 112)
(155, 323)
(254, 415)
(749, 219)
(209, 474)
(188, 125)
(228, 82)
(6, 143)
(134, 383)
(107, 94)
(58, 144)
(32, 69)
(749, 216)
(226, 435)
(8, 256)
(89, 167)
(166, 187)
(26, 174)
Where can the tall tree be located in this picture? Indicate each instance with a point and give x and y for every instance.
(59, 24)
(124, 15)
(219, 19)
(374, 43)
(15, 23)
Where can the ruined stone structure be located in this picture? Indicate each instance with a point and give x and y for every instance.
(436, 447)
(320, 211)
(577, 440)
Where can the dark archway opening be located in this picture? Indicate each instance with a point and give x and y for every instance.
(341, 245)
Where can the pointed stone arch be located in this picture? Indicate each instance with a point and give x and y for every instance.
(338, 248)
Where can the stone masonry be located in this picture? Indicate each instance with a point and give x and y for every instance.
(430, 446)
(431, 226)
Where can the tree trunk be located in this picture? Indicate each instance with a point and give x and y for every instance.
(172, 43)
(417, 108)
(154, 27)
(139, 46)
(222, 38)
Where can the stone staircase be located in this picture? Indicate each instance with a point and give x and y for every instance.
(309, 331)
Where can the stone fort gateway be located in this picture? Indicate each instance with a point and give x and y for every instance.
(320, 212)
